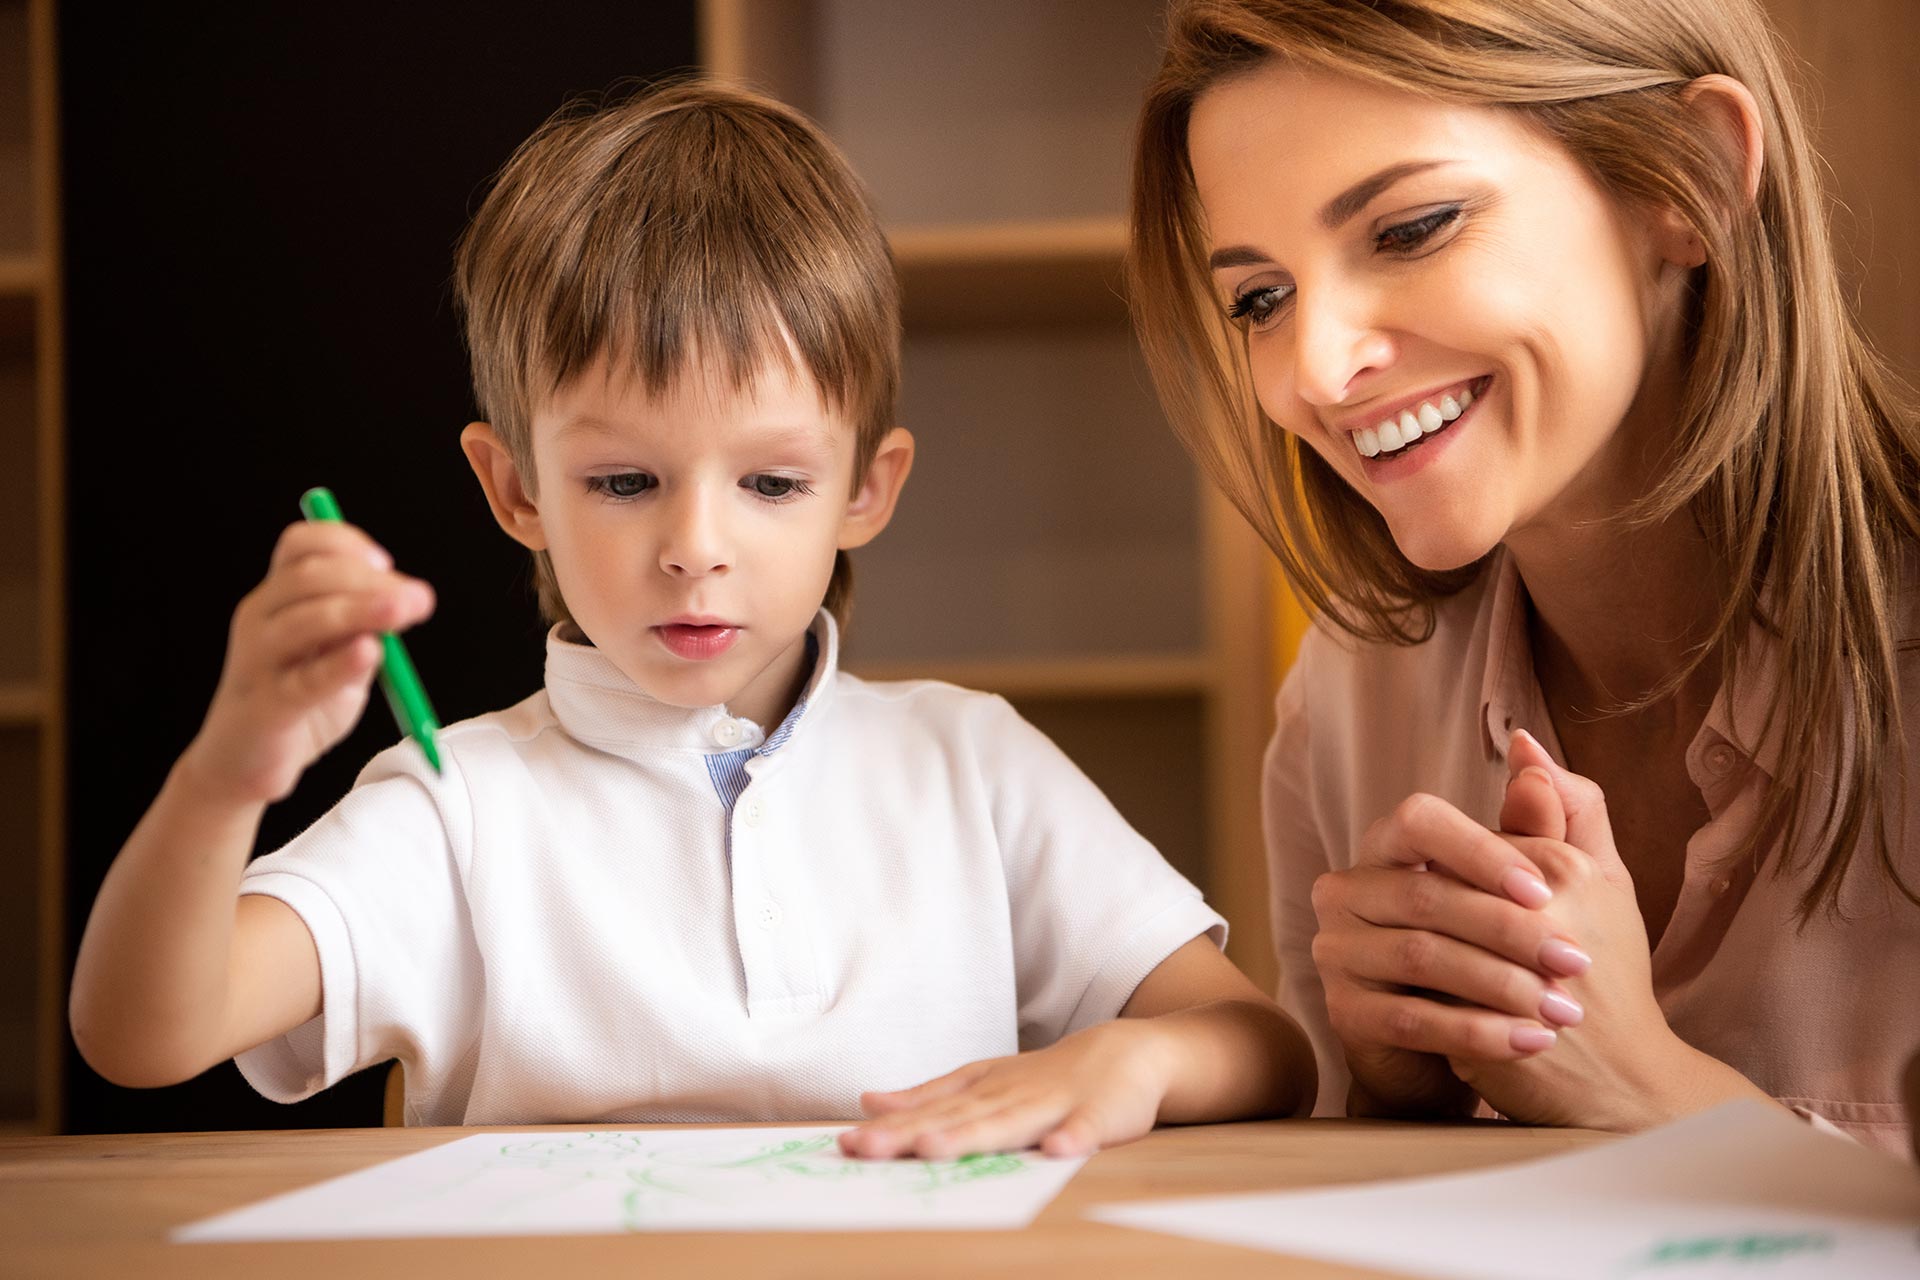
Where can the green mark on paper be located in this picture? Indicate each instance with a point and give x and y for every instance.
(1745, 1248)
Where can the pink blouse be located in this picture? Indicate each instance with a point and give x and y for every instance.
(1822, 1017)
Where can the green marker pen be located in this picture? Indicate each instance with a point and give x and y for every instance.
(398, 680)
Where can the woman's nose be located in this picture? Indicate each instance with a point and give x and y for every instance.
(1335, 346)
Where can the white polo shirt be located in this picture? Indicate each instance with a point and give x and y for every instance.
(611, 909)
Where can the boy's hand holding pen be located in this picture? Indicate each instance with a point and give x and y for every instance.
(301, 655)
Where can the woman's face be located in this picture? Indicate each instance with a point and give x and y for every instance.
(1402, 263)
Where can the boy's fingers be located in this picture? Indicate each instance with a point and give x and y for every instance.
(1077, 1135)
(325, 675)
(318, 624)
(1005, 1128)
(879, 1103)
(1426, 829)
(316, 537)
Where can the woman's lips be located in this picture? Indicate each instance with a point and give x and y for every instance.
(697, 642)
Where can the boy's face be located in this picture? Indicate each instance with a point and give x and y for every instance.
(693, 533)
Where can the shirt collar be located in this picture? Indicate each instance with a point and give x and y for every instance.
(1509, 694)
(598, 705)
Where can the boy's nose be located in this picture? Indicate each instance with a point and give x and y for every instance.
(695, 545)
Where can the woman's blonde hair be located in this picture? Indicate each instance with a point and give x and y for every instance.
(692, 223)
(1796, 451)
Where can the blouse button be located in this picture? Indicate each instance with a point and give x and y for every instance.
(726, 733)
(752, 813)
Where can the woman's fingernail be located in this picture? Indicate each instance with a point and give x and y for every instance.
(1528, 891)
(1560, 1009)
(1531, 1039)
(1533, 741)
(1564, 958)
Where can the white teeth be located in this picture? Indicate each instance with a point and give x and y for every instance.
(1394, 433)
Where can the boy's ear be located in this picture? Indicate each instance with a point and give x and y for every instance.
(512, 506)
(872, 505)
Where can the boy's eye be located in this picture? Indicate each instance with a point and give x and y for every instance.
(775, 488)
(624, 484)
(1406, 237)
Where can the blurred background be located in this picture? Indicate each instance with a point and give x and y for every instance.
(225, 239)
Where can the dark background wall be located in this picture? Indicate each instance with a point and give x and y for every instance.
(261, 203)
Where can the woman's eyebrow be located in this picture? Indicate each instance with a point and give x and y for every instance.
(1356, 197)
(1336, 213)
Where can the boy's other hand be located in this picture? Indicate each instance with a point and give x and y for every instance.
(1096, 1088)
(301, 655)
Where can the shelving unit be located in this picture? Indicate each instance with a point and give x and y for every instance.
(1056, 545)
(32, 575)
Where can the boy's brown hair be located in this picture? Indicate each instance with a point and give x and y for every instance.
(692, 222)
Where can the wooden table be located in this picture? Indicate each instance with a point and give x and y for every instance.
(102, 1206)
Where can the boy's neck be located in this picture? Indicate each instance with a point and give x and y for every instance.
(770, 697)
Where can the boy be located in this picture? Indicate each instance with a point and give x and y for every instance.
(703, 874)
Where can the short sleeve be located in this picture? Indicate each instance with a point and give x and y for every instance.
(1296, 856)
(1095, 908)
(377, 881)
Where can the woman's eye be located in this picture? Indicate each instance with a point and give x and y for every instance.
(774, 488)
(1256, 307)
(1405, 237)
(623, 484)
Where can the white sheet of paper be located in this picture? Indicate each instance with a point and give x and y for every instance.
(650, 1180)
(1742, 1190)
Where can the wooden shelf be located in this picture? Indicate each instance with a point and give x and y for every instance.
(1104, 676)
(22, 275)
(1065, 271)
(22, 702)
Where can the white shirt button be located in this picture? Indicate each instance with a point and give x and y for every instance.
(726, 733)
(752, 812)
(769, 915)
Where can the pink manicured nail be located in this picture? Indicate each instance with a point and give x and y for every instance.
(1531, 1039)
(1555, 1007)
(1526, 890)
(1564, 958)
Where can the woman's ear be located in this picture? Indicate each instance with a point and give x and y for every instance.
(871, 507)
(1734, 114)
(512, 505)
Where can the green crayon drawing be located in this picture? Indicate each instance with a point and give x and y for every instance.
(1754, 1248)
(646, 1176)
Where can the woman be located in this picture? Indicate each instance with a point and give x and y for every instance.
(1514, 326)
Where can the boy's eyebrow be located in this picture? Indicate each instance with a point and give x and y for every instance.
(1335, 213)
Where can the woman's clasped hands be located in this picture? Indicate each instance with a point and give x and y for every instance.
(1511, 966)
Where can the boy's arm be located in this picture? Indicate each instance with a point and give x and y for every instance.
(1233, 1052)
(176, 970)
(1196, 1042)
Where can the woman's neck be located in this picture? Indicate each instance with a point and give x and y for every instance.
(1615, 611)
